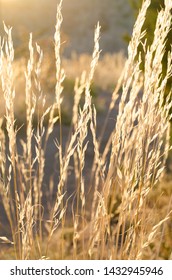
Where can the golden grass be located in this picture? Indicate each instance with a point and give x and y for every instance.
(107, 217)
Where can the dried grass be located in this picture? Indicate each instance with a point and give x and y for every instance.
(111, 221)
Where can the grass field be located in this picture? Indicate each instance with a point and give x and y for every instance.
(98, 188)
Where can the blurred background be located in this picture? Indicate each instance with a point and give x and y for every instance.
(80, 18)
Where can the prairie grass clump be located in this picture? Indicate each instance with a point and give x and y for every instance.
(98, 212)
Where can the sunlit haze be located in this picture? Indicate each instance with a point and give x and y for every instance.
(79, 20)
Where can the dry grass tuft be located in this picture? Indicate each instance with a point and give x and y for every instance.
(105, 215)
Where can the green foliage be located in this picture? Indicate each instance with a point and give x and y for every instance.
(151, 17)
(149, 26)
